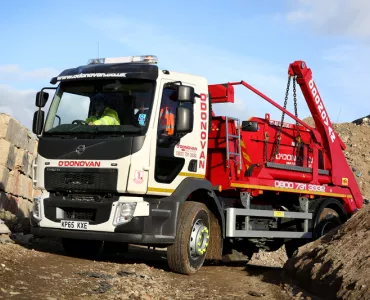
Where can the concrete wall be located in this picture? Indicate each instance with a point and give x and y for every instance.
(18, 148)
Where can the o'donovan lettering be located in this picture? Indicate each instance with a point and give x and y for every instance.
(78, 163)
(320, 105)
(203, 130)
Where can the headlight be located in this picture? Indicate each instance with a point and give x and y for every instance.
(124, 213)
(36, 209)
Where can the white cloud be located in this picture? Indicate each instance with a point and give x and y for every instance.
(15, 72)
(19, 104)
(341, 54)
(333, 17)
(298, 15)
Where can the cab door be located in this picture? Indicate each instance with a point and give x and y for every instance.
(172, 162)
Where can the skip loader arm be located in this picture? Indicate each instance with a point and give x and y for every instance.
(340, 171)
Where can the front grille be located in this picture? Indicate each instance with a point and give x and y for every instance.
(80, 214)
(81, 179)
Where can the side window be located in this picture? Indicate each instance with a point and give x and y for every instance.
(167, 113)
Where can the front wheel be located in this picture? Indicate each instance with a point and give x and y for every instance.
(187, 254)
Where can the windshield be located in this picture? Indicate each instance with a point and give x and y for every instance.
(93, 106)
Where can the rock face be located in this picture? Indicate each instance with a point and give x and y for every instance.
(337, 266)
(18, 147)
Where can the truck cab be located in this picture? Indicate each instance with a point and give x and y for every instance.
(111, 177)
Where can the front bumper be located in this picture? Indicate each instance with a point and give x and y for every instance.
(131, 238)
(156, 225)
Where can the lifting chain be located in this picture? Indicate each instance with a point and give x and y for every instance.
(278, 136)
(296, 109)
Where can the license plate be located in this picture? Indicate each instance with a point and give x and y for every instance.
(79, 225)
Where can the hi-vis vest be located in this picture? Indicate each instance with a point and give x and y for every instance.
(167, 121)
(109, 117)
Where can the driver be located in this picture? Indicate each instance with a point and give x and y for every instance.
(103, 115)
(167, 116)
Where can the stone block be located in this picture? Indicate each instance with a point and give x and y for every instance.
(7, 154)
(24, 207)
(4, 177)
(30, 164)
(31, 144)
(20, 163)
(9, 203)
(35, 148)
(15, 184)
(3, 200)
(12, 131)
(27, 188)
(36, 193)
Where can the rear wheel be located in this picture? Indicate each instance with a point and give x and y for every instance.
(187, 254)
(328, 220)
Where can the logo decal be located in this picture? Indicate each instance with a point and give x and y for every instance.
(82, 163)
(139, 177)
(80, 149)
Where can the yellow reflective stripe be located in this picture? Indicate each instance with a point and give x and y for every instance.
(185, 174)
(160, 190)
(270, 188)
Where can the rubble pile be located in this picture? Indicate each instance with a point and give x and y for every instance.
(336, 266)
(18, 147)
(356, 137)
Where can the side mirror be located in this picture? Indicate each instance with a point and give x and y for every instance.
(41, 98)
(185, 93)
(38, 122)
(250, 126)
(184, 120)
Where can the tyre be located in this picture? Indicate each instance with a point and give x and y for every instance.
(328, 220)
(187, 254)
(82, 248)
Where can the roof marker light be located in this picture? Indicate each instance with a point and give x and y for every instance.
(149, 59)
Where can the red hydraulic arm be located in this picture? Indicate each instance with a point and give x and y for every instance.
(341, 173)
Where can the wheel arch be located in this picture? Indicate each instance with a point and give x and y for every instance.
(318, 206)
(201, 190)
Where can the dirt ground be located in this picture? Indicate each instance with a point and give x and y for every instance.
(43, 271)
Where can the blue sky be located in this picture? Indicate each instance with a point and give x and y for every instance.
(222, 40)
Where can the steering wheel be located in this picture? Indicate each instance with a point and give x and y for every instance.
(82, 122)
